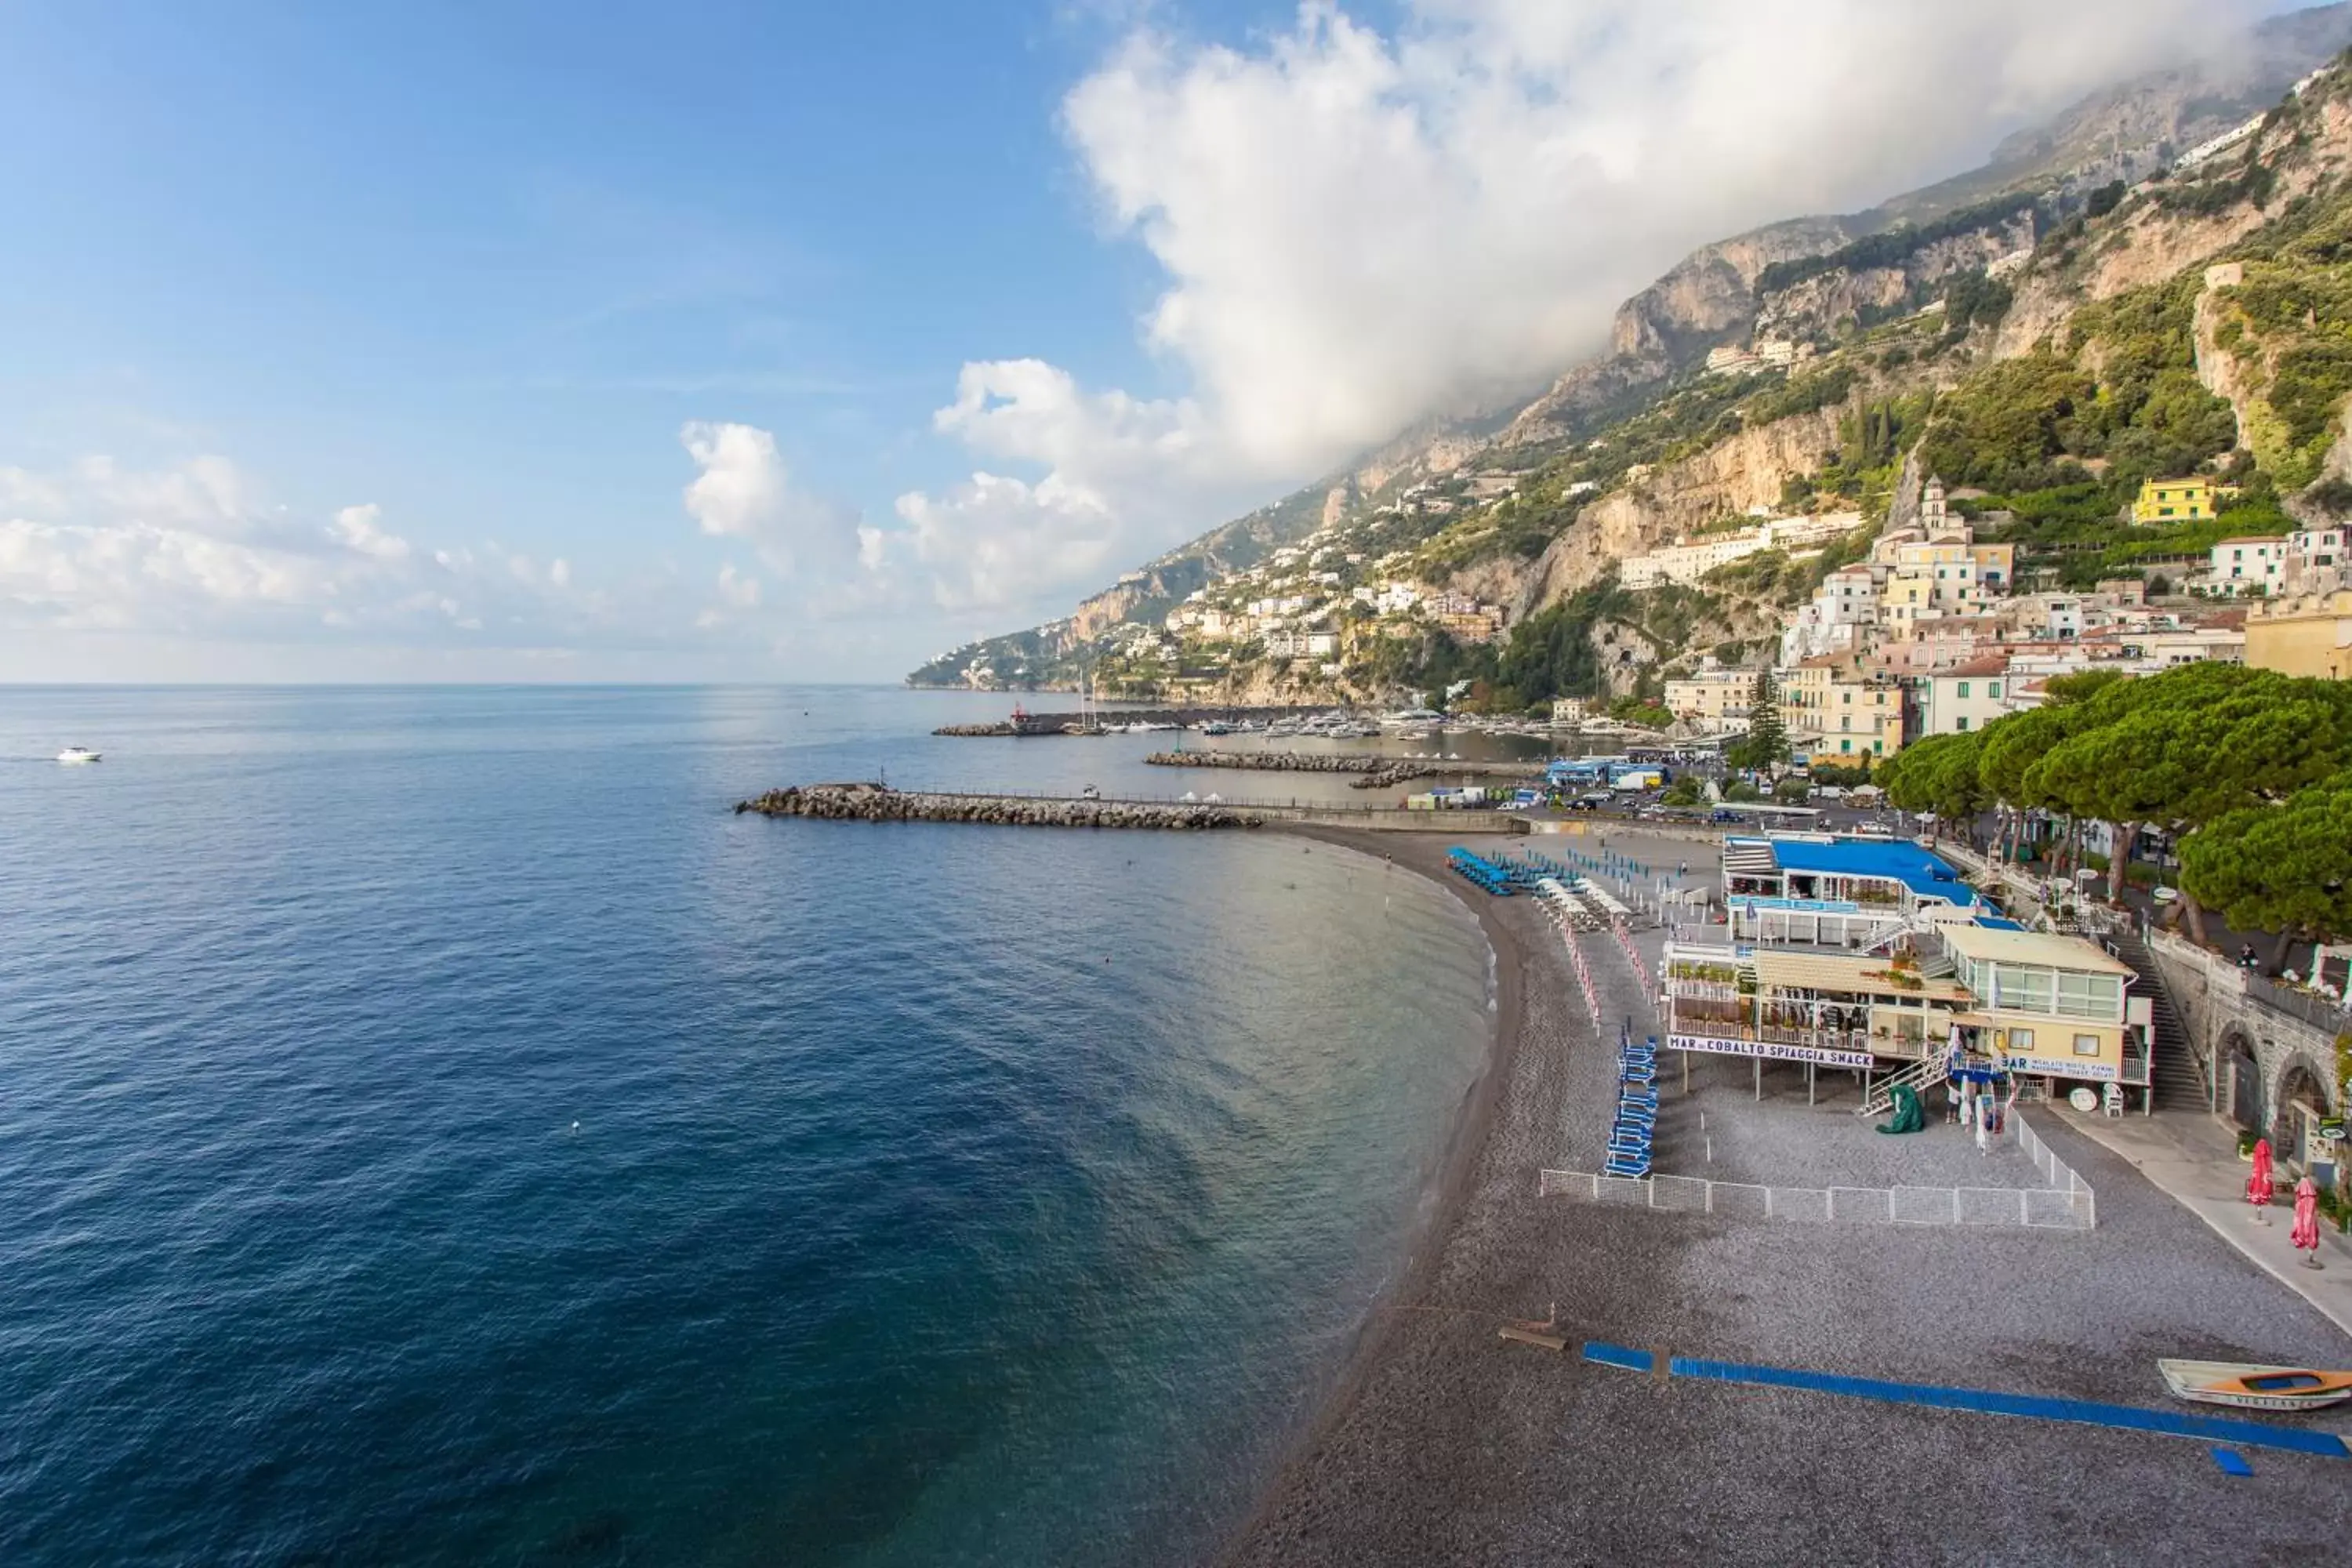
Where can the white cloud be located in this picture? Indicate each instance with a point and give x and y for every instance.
(989, 543)
(1359, 229)
(745, 491)
(356, 526)
(192, 550)
(736, 590)
(740, 490)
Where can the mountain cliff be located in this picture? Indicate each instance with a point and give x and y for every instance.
(1799, 289)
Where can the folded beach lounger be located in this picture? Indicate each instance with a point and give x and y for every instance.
(1624, 1143)
(1633, 1170)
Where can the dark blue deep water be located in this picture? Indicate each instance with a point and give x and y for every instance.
(434, 1129)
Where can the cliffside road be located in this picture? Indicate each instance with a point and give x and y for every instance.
(1379, 773)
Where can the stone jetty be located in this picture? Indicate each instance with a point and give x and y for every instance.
(879, 803)
(1379, 773)
(1180, 718)
(1271, 762)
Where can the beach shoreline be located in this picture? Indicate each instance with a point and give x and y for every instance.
(1450, 1187)
(1437, 1442)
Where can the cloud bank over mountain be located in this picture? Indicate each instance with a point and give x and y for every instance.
(1351, 226)
(1359, 229)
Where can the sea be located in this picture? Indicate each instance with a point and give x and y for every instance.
(435, 1129)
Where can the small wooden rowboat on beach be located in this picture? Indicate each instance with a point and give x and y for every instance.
(2255, 1387)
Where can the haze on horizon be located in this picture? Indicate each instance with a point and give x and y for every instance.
(729, 342)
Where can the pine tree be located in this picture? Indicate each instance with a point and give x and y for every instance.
(1767, 745)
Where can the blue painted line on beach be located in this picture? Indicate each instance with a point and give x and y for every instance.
(2233, 1464)
(1617, 1356)
(2033, 1407)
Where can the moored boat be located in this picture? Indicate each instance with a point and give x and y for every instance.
(2251, 1387)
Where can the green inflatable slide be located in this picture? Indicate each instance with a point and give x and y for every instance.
(1908, 1117)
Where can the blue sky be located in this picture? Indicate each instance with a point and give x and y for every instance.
(331, 331)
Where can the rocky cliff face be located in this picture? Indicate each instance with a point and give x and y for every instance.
(1707, 300)
(1747, 470)
(2154, 241)
(1819, 307)
(1710, 298)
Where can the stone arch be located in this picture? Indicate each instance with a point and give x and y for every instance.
(2238, 1064)
(2302, 1082)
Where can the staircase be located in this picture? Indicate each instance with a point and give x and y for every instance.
(2178, 1078)
(1927, 1070)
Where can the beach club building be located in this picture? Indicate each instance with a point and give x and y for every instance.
(1875, 958)
(1825, 891)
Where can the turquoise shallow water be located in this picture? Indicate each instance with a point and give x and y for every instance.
(938, 1194)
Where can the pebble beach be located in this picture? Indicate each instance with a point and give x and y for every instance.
(1446, 1444)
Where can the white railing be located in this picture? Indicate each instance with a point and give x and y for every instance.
(2056, 1172)
(1919, 1075)
(2066, 1204)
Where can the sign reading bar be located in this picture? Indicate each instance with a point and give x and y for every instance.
(2077, 1066)
(1771, 1050)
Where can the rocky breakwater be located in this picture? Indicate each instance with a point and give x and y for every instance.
(1000, 728)
(878, 802)
(1269, 761)
(1379, 773)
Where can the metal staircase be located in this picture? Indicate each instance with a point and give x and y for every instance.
(2178, 1072)
(1919, 1077)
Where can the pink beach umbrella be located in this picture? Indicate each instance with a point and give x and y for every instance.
(2258, 1185)
(2305, 1234)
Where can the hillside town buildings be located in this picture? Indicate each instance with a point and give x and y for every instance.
(2175, 501)
(2310, 635)
(1690, 560)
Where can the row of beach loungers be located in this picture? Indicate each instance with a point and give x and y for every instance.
(1511, 873)
(1637, 1106)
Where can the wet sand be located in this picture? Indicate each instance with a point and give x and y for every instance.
(1444, 1443)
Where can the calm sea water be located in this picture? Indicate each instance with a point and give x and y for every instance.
(434, 1129)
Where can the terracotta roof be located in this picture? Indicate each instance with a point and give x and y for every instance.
(1995, 664)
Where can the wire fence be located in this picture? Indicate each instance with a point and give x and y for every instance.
(2066, 1204)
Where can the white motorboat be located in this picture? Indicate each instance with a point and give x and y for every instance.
(78, 755)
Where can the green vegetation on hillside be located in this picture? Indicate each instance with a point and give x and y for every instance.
(2211, 750)
(2289, 326)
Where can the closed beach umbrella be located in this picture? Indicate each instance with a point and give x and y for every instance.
(2305, 1234)
(2258, 1185)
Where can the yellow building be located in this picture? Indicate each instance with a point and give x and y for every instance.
(1712, 695)
(2311, 635)
(1837, 712)
(2174, 500)
(2046, 1005)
